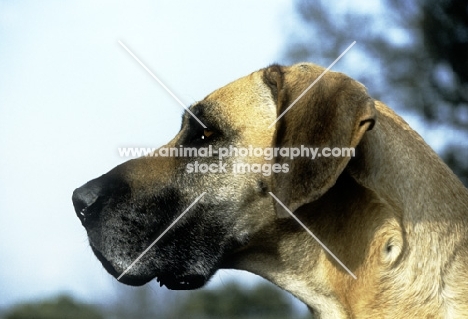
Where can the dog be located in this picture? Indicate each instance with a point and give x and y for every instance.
(394, 214)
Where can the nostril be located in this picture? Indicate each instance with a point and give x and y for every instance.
(83, 198)
(93, 196)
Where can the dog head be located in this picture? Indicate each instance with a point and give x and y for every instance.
(127, 209)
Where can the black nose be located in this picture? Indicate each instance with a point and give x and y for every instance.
(84, 197)
(93, 196)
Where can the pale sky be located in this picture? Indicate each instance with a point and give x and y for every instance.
(70, 96)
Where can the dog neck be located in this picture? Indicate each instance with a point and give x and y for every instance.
(285, 254)
(429, 203)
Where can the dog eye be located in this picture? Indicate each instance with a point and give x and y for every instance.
(206, 133)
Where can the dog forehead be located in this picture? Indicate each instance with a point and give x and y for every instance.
(246, 100)
(247, 88)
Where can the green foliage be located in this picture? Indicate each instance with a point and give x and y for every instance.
(62, 307)
(232, 302)
(263, 301)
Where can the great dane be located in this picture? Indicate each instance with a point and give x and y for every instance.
(393, 213)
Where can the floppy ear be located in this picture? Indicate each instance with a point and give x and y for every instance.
(334, 113)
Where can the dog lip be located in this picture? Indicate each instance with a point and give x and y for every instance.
(135, 280)
(105, 263)
(132, 280)
(187, 282)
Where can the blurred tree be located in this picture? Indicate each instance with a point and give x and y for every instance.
(136, 303)
(410, 54)
(231, 302)
(263, 301)
(145, 302)
(62, 307)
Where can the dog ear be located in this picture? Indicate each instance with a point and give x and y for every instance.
(335, 113)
